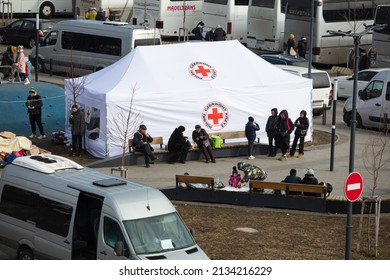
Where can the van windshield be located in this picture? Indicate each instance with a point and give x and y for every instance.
(158, 234)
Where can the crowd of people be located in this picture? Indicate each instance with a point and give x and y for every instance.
(15, 65)
(214, 34)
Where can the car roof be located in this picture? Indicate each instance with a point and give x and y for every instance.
(300, 70)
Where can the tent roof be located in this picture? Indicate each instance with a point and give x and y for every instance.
(178, 68)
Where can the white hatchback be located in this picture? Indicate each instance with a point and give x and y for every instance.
(345, 83)
(321, 94)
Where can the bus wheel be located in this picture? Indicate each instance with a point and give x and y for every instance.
(26, 254)
(46, 10)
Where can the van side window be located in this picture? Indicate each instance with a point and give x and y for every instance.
(91, 43)
(374, 89)
(19, 203)
(112, 232)
(54, 216)
(47, 214)
(388, 92)
(51, 38)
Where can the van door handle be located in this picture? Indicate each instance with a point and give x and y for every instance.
(103, 253)
(66, 241)
(377, 104)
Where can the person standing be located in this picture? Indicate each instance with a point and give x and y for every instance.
(202, 140)
(284, 128)
(250, 133)
(270, 128)
(34, 110)
(178, 146)
(198, 31)
(291, 48)
(100, 15)
(8, 60)
(20, 66)
(301, 125)
(302, 46)
(219, 34)
(77, 125)
(141, 143)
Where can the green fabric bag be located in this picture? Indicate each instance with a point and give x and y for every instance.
(216, 141)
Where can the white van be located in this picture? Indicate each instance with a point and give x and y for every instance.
(322, 93)
(81, 47)
(53, 208)
(372, 104)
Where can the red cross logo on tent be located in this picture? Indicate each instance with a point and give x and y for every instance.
(202, 71)
(215, 115)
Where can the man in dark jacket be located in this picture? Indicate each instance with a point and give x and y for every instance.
(34, 110)
(271, 130)
(77, 122)
(309, 179)
(301, 126)
(201, 138)
(293, 178)
(284, 128)
(219, 34)
(141, 143)
(178, 145)
(250, 132)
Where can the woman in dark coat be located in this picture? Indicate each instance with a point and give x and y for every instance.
(77, 123)
(178, 145)
(271, 128)
(284, 128)
(301, 124)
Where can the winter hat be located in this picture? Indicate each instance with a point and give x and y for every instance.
(292, 36)
(32, 90)
(251, 119)
(142, 126)
(197, 126)
(181, 128)
(309, 171)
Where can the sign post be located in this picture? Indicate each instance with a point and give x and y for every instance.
(353, 188)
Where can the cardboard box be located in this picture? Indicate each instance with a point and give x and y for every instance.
(34, 150)
(44, 152)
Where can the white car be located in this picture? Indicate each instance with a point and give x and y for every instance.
(322, 89)
(345, 83)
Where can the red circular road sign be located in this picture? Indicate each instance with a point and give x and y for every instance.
(353, 187)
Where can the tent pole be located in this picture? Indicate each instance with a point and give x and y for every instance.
(107, 135)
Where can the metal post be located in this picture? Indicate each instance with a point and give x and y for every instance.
(334, 105)
(311, 38)
(36, 49)
(323, 114)
(348, 242)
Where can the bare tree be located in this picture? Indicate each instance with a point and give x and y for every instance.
(126, 125)
(376, 156)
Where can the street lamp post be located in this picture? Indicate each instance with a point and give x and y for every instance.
(356, 40)
(36, 46)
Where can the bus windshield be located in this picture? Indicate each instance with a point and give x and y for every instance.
(383, 17)
(158, 234)
(300, 8)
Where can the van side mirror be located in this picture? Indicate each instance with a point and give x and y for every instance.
(362, 95)
(119, 248)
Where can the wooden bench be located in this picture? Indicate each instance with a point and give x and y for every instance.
(232, 135)
(289, 188)
(188, 179)
(156, 141)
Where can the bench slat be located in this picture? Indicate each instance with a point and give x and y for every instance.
(315, 189)
(194, 179)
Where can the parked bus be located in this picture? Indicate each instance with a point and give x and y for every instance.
(380, 56)
(46, 8)
(122, 9)
(232, 15)
(344, 15)
(266, 24)
(172, 17)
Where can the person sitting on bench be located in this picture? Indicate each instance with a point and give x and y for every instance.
(141, 143)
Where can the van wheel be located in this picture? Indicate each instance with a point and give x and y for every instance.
(46, 10)
(26, 254)
(359, 123)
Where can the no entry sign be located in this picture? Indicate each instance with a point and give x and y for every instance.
(353, 187)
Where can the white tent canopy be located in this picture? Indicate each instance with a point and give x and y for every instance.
(214, 84)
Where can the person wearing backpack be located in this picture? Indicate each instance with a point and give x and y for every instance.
(198, 31)
(284, 128)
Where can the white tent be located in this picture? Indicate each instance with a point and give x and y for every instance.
(214, 84)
